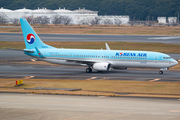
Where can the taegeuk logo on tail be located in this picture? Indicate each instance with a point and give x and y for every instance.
(30, 38)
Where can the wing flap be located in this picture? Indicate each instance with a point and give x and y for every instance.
(80, 61)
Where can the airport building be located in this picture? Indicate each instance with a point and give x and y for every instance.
(112, 19)
(161, 20)
(79, 16)
(170, 20)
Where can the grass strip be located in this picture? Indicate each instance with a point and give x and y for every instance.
(101, 29)
(96, 87)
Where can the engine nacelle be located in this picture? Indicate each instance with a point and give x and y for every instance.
(102, 66)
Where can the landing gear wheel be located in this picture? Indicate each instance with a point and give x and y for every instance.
(160, 72)
(88, 70)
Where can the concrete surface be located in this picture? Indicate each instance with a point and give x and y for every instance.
(58, 107)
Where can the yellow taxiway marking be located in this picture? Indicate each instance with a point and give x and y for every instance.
(91, 78)
(155, 80)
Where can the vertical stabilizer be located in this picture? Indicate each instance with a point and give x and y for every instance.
(31, 39)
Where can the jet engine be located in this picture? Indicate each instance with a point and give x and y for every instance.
(102, 66)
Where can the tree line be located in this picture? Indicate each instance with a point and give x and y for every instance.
(136, 9)
(56, 19)
(63, 20)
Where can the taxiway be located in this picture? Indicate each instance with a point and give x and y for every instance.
(15, 70)
(68, 72)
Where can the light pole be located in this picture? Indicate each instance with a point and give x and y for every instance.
(178, 19)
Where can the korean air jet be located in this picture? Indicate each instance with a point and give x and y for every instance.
(99, 60)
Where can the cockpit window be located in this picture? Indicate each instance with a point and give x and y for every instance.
(166, 57)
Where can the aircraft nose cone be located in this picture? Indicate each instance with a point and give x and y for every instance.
(175, 62)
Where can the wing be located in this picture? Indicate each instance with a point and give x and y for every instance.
(76, 60)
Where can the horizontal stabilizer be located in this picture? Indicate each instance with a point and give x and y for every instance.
(30, 51)
(24, 50)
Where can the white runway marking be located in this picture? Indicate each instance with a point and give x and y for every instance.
(175, 111)
(28, 77)
(33, 60)
(155, 80)
(91, 78)
(165, 38)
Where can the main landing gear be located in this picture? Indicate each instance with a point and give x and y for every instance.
(89, 70)
(160, 72)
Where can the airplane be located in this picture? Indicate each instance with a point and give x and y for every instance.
(98, 60)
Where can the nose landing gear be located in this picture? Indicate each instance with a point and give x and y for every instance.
(162, 69)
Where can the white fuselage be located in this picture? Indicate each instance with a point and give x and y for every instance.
(117, 58)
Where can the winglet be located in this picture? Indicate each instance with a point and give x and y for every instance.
(39, 53)
(107, 46)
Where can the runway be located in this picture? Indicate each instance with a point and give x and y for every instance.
(58, 107)
(94, 38)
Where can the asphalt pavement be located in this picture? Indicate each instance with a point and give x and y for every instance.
(8, 69)
(94, 38)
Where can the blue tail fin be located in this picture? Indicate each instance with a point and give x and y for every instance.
(31, 39)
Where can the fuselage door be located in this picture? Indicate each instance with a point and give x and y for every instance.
(156, 59)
